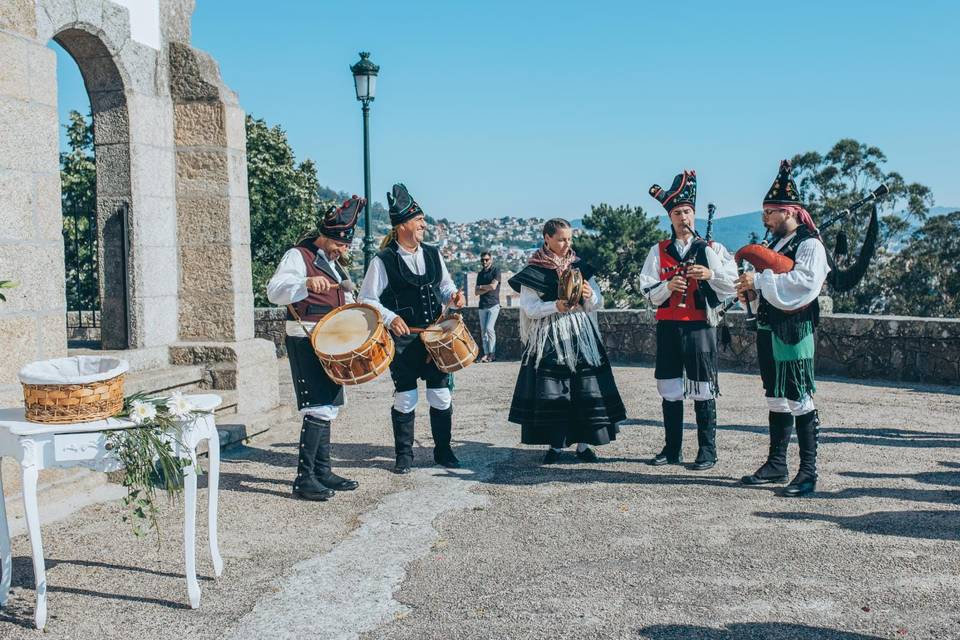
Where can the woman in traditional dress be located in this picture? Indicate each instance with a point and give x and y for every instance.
(565, 392)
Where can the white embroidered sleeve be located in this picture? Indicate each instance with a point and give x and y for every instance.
(373, 285)
(596, 300)
(289, 282)
(800, 286)
(650, 276)
(533, 307)
(724, 271)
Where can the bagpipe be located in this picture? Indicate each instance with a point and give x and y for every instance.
(761, 257)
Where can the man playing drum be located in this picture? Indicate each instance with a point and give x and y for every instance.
(312, 283)
(409, 283)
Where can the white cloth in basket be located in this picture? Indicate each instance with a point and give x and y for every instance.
(73, 370)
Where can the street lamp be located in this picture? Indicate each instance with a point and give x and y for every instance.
(365, 79)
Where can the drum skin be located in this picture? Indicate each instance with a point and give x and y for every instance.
(449, 344)
(352, 344)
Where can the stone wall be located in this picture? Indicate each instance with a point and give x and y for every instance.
(853, 346)
(270, 324)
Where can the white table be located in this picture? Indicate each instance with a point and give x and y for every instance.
(40, 446)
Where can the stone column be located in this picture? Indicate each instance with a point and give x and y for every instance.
(32, 320)
(213, 220)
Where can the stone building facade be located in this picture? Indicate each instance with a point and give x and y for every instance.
(172, 206)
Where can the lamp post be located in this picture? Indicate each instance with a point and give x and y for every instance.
(365, 80)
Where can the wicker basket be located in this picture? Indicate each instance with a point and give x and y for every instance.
(86, 401)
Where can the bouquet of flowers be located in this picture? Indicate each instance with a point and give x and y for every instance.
(147, 454)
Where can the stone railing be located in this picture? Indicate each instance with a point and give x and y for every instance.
(853, 346)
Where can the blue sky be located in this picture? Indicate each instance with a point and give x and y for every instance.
(541, 108)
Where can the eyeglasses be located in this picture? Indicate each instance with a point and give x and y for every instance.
(484, 259)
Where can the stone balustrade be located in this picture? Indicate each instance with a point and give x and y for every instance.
(853, 346)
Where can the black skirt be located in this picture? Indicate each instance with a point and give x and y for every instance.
(556, 406)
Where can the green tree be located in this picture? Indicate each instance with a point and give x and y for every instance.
(832, 182)
(284, 200)
(925, 279)
(78, 180)
(616, 243)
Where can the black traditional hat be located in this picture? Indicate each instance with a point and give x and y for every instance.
(402, 205)
(682, 191)
(784, 189)
(340, 222)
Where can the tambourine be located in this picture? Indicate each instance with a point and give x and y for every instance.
(570, 287)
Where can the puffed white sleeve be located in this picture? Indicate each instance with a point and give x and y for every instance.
(650, 276)
(596, 300)
(801, 285)
(533, 307)
(373, 285)
(447, 286)
(724, 268)
(289, 282)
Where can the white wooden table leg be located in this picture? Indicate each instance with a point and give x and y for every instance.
(6, 554)
(30, 473)
(190, 532)
(213, 488)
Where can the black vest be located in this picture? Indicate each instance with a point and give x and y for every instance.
(414, 298)
(769, 315)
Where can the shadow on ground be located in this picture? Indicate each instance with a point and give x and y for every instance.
(748, 630)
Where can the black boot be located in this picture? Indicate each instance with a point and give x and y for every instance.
(673, 428)
(321, 463)
(403, 439)
(441, 424)
(306, 486)
(706, 434)
(775, 468)
(806, 480)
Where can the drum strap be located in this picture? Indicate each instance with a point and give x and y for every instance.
(297, 317)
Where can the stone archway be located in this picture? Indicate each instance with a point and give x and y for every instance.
(171, 164)
(108, 105)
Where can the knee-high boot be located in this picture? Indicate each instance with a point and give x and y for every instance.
(673, 433)
(806, 480)
(441, 425)
(321, 462)
(403, 439)
(306, 486)
(775, 468)
(706, 411)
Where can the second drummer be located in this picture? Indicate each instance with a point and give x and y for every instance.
(409, 283)
(311, 280)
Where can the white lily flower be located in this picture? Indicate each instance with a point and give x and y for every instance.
(141, 412)
(178, 406)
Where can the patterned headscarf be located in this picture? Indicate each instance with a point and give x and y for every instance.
(803, 216)
(547, 259)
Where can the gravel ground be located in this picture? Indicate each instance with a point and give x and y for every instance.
(615, 549)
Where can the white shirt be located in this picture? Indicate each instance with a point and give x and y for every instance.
(799, 286)
(289, 285)
(535, 308)
(375, 282)
(719, 260)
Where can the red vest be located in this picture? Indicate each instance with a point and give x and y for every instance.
(317, 305)
(671, 309)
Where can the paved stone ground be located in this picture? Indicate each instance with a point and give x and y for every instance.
(508, 549)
